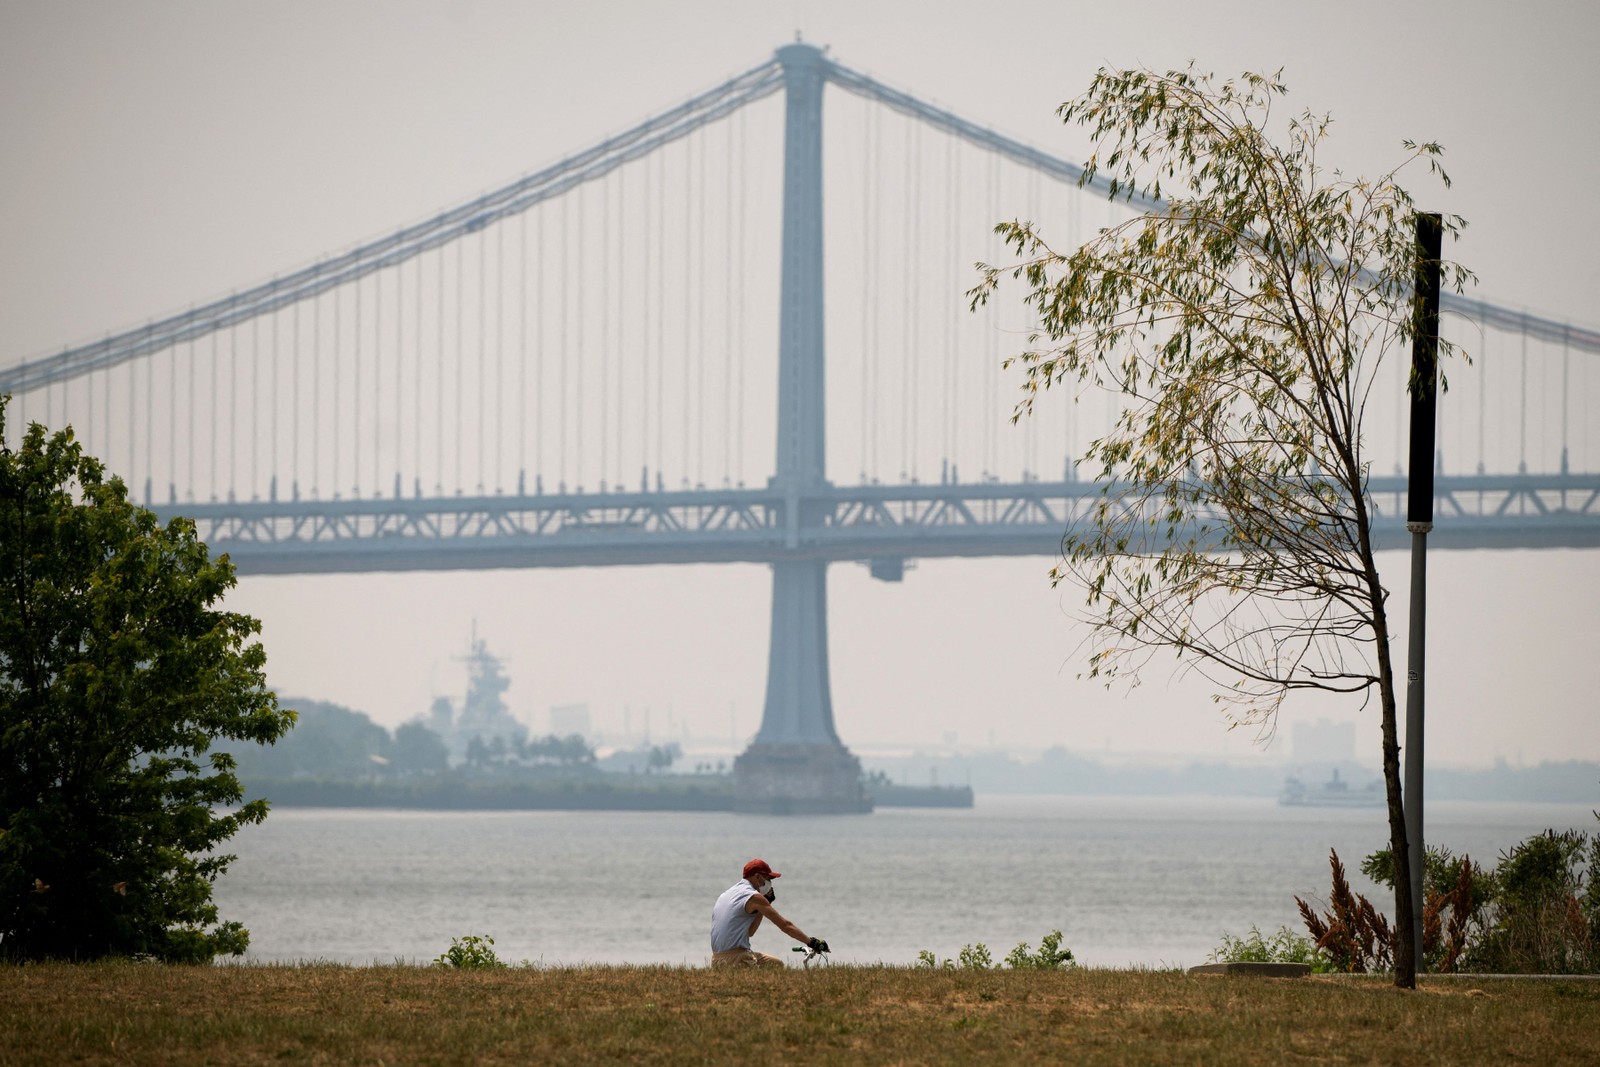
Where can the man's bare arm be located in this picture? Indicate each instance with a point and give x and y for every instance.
(763, 909)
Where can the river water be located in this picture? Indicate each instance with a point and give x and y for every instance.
(1130, 881)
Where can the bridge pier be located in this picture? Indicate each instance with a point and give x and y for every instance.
(796, 763)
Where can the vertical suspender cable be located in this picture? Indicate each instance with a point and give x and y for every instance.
(607, 289)
(438, 374)
(216, 361)
(1566, 354)
(577, 358)
(461, 349)
(480, 416)
(316, 391)
(416, 391)
(1035, 208)
(255, 402)
(743, 354)
(701, 181)
(727, 290)
(563, 348)
(538, 353)
(499, 352)
(377, 380)
(233, 412)
(522, 348)
(907, 385)
(618, 302)
(1483, 392)
(189, 455)
(915, 274)
(356, 406)
(1522, 423)
(272, 457)
(951, 327)
(688, 280)
(338, 376)
(400, 366)
(875, 357)
(661, 312)
(647, 234)
(991, 339)
(294, 410)
(867, 220)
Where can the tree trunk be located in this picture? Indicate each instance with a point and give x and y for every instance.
(1405, 963)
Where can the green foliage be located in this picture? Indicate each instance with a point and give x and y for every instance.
(470, 953)
(978, 958)
(418, 750)
(328, 741)
(1243, 323)
(975, 957)
(1050, 955)
(569, 751)
(1534, 913)
(117, 675)
(1441, 873)
(1285, 946)
(1538, 922)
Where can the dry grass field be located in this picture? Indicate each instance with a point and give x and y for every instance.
(323, 1014)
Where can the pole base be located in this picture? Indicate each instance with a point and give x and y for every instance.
(799, 780)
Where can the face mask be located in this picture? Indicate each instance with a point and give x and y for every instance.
(769, 892)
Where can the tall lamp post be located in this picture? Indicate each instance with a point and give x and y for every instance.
(1419, 521)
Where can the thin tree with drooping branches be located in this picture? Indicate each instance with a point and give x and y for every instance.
(1244, 321)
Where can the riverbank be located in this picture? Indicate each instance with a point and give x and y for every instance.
(132, 1013)
(595, 792)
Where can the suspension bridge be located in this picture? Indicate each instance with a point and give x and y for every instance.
(577, 369)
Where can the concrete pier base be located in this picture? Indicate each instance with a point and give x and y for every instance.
(799, 779)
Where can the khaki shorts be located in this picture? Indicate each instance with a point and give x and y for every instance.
(744, 957)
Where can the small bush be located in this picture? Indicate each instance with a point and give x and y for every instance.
(978, 958)
(1285, 946)
(1050, 955)
(975, 957)
(470, 953)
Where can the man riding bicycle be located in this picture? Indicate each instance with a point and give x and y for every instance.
(740, 910)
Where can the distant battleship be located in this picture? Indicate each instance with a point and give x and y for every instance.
(1334, 793)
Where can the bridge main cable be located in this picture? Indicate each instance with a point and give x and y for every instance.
(1510, 319)
(674, 124)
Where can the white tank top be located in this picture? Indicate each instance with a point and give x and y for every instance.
(730, 923)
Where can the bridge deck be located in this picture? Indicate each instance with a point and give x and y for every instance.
(833, 523)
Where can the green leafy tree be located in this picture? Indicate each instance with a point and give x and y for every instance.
(418, 750)
(1243, 322)
(117, 674)
(328, 741)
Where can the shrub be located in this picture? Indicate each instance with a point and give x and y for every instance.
(1354, 935)
(1050, 955)
(978, 958)
(975, 957)
(1285, 946)
(1538, 925)
(470, 953)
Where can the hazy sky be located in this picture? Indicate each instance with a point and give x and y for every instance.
(157, 154)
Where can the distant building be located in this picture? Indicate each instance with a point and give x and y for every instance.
(569, 719)
(1323, 741)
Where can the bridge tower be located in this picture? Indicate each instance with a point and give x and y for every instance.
(796, 764)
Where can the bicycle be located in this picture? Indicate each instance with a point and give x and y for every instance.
(819, 954)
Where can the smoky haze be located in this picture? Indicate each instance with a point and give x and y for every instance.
(160, 156)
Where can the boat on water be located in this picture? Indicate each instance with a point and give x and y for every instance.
(1334, 793)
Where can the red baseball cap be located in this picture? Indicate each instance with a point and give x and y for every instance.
(760, 867)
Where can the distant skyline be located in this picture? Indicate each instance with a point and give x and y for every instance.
(164, 153)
